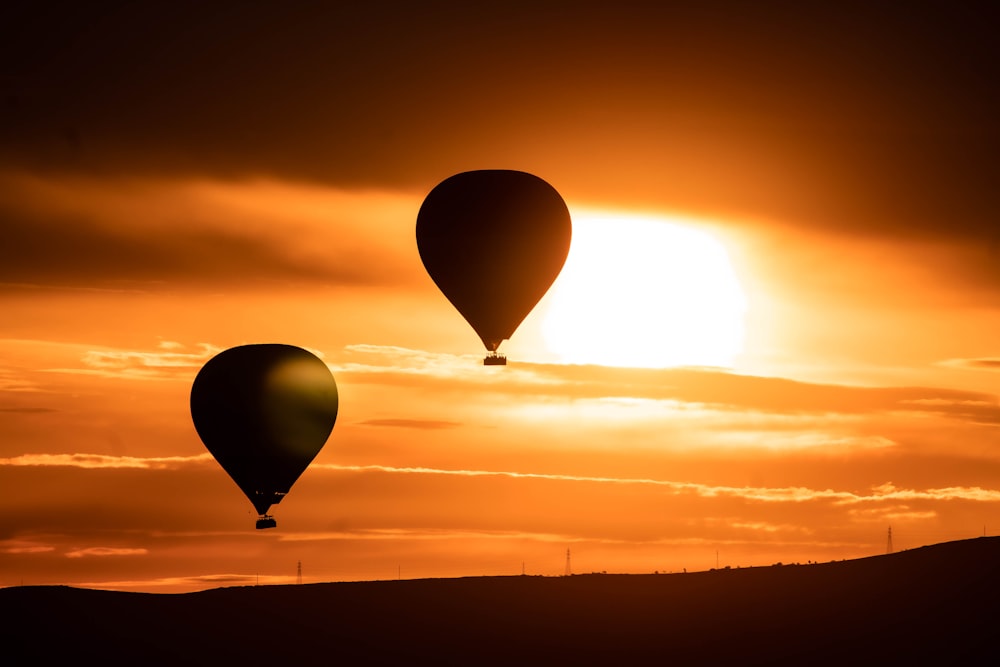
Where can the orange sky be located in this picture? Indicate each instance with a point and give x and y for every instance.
(174, 186)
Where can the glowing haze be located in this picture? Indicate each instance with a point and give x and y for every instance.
(645, 292)
(774, 337)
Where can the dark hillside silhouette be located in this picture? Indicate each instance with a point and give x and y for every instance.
(932, 605)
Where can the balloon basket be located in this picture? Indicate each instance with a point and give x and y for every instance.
(494, 359)
(266, 522)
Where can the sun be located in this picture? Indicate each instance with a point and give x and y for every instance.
(642, 291)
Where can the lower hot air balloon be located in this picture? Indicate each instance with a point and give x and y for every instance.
(493, 241)
(264, 412)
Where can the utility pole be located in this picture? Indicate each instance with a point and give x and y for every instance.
(569, 570)
(888, 546)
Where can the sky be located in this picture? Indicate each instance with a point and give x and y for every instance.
(775, 335)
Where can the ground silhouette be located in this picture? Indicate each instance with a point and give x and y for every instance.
(931, 605)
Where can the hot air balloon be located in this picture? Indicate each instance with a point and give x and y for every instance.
(264, 412)
(493, 241)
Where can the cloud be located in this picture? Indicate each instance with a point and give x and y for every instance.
(893, 512)
(888, 491)
(105, 551)
(163, 363)
(427, 424)
(28, 549)
(863, 144)
(794, 494)
(981, 410)
(154, 234)
(393, 359)
(428, 534)
(802, 440)
(765, 527)
(450, 534)
(101, 461)
(705, 387)
(171, 360)
(980, 364)
(104, 359)
(12, 381)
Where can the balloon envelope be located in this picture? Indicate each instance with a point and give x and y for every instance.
(493, 241)
(264, 412)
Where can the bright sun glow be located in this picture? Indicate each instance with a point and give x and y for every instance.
(645, 292)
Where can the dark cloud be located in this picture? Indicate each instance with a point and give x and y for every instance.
(68, 251)
(863, 118)
(103, 237)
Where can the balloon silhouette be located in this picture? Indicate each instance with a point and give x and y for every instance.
(493, 241)
(264, 412)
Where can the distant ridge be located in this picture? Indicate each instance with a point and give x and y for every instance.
(930, 605)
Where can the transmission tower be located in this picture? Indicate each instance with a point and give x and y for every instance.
(298, 579)
(569, 570)
(888, 545)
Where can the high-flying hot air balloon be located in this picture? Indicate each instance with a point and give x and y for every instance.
(264, 412)
(493, 241)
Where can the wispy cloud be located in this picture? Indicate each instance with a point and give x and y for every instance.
(802, 440)
(104, 461)
(893, 512)
(101, 552)
(13, 381)
(426, 424)
(794, 494)
(442, 535)
(28, 549)
(148, 364)
(390, 360)
(705, 387)
(152, 360)
(765, 527)
(169, 361)
(888, 491)
(430, 534)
